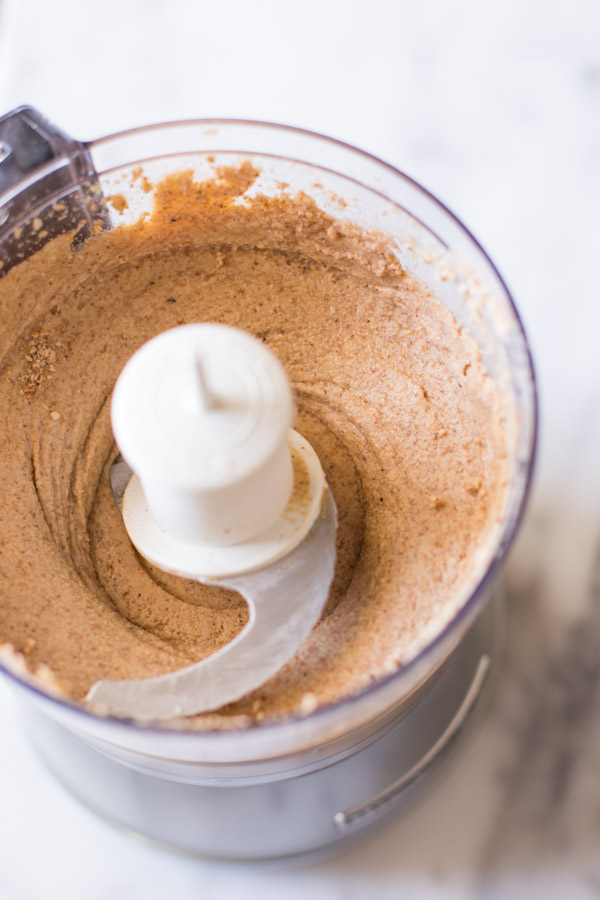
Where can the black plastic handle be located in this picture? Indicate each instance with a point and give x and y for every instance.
(28, 143)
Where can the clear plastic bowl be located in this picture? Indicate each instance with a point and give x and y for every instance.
(375, 195)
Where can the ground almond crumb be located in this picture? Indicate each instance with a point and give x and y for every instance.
(376, 362)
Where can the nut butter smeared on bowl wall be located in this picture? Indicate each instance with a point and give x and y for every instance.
(390, 392)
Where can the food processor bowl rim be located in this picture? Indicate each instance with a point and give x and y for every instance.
(506, 540)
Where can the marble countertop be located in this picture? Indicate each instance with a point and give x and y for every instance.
(495, 108)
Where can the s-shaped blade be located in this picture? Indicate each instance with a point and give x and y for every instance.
(285, 601)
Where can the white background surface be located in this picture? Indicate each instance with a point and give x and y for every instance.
(496, 108)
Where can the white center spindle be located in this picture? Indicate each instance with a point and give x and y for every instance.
(202, 414)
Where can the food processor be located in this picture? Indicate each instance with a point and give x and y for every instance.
(313, 781)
